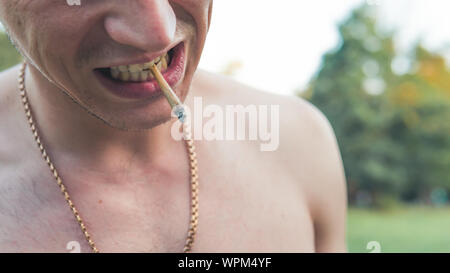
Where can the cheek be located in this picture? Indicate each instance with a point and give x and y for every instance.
(13, 19)
(25, 25)
(47, 40)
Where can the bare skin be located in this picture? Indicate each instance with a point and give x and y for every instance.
(132, 187)
(292, 199)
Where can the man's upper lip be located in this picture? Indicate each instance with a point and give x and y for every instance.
(145, 58)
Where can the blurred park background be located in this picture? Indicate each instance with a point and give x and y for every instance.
(383, 80)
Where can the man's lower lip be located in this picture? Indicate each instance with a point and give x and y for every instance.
(141, 90)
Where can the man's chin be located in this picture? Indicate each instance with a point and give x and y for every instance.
(135, 121)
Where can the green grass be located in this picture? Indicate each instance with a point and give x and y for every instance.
(410, 229)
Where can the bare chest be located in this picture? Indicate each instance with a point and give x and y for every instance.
(239, 211)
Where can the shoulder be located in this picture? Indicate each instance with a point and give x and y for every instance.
(11, 115)
(307, 151)
(304, 132)
(8, 80)
(8, 96)
(307, 145)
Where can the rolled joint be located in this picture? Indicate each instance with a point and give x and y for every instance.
(178, 110)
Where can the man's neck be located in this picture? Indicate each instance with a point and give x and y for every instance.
(67, 129)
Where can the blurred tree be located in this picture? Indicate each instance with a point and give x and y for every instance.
(8, 54)
(422, 103)
(390, 126)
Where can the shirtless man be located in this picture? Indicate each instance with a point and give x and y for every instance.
(111, 143)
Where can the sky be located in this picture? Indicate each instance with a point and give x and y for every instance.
(280, 44)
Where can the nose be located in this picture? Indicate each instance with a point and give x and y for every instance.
(148, 25)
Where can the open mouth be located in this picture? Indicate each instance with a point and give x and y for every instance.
(136, 81)
(137, 72)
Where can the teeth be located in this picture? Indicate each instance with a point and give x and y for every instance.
(115, 73)
(135, 76)
(144, 75)
(139, 72)
(135, 67)
(124, 76)
(163, 63)
(148, 65)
